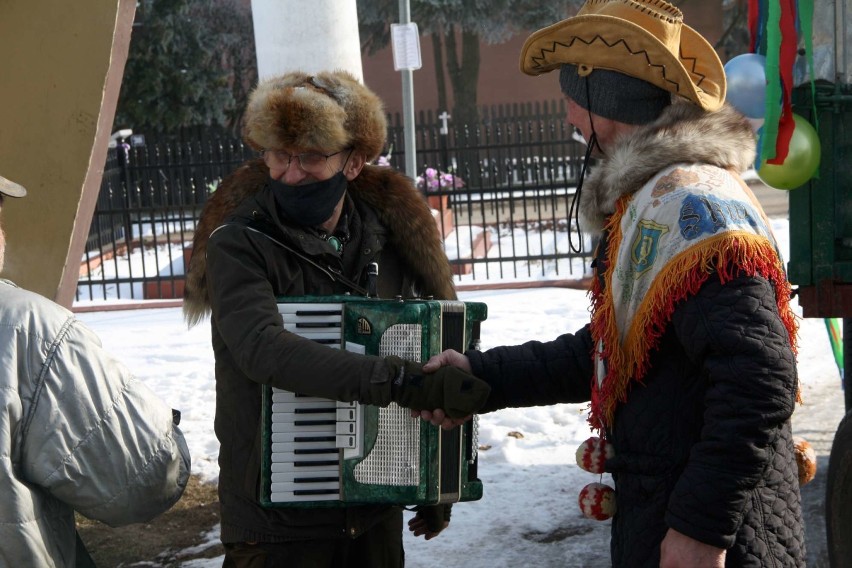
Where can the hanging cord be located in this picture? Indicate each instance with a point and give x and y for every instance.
(574, 211)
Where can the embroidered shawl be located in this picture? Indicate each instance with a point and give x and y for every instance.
(665, 240)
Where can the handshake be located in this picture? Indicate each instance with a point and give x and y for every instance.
(454, 390)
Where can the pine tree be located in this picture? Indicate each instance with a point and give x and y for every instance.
(457, 29)
(191, 63)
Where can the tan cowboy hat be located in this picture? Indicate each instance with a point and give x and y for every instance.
(11, 189)
(646, 39)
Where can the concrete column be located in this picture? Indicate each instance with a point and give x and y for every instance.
(61, 73)
(310, 36)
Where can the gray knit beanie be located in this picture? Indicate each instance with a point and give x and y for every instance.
(614, 95)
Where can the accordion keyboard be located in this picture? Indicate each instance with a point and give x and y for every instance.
(307, 433)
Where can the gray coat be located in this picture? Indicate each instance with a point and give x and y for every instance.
(77, 432)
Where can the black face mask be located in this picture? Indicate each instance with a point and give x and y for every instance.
(310, 204)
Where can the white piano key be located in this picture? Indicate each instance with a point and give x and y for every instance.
(279, 395)
(317, 473)
(292, 446)
(292, 308)
(305, 419)
(291, 487)
(346, 414)
(305, 468)
(347, 442)
(290, 498)
(283, 424)
(305, 438)
(316, 334)
(291, 457)
(304, 448)
(327, 405)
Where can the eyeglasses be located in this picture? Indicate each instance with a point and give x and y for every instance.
(310, 162)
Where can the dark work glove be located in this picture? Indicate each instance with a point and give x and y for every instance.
(456, 392)
(434, 515)
(430, 520)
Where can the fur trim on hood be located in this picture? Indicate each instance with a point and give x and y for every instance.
(683, 134)
(400, 207)
(340, 113)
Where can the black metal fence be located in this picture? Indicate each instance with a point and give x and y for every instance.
(503, 210)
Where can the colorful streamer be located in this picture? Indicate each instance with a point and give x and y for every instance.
(754, 24)
(771, 28)
(775, 28)
(835, 336)
(806, 24)
(786, 58)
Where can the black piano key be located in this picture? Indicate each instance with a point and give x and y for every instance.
(309, 439)
(316, 410)
(319, 312)
(314, 422)
(315, 463)
(315, 492)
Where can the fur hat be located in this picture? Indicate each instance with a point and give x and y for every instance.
(11, 189)
(646, 39)
(329, 111)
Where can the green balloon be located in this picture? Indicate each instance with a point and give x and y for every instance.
(802, 160)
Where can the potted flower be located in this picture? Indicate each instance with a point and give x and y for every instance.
(433, 181)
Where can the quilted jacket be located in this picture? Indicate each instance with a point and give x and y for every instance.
(77, 432)
(703, 444)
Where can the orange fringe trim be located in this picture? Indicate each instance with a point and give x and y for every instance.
(681, 278)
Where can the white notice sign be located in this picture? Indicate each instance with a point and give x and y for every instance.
(405, 43)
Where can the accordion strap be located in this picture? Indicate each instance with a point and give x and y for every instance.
(333, 274)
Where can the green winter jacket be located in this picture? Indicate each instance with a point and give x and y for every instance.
(249, 260)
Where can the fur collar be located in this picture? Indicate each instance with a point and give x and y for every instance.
(683, 134)
(399, 206)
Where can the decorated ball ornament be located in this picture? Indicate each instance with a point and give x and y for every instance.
(802, 160)
(593, 453)
(805, 459)
(746, 77)
(597, 501)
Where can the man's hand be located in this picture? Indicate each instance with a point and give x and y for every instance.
(678, 550)
(449, 357)
(437, 416)
(429, 521)
(457, 391)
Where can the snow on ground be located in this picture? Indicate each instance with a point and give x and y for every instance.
(528, 514)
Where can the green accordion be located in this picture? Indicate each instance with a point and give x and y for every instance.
(321, 453)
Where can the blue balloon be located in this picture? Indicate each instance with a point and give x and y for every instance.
(746, 75)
